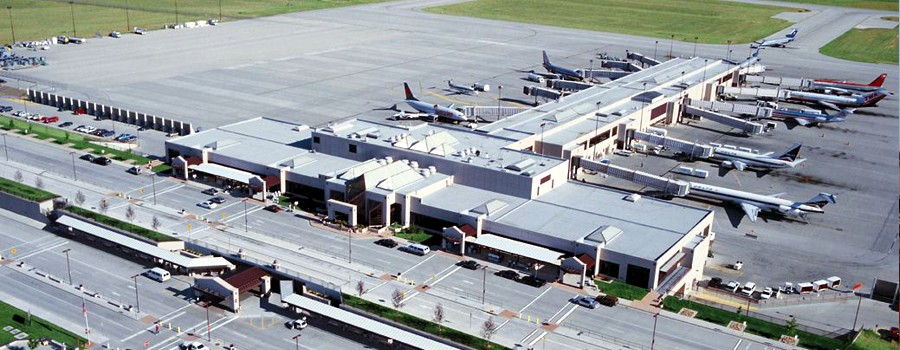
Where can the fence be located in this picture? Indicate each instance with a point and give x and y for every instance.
(108, 112)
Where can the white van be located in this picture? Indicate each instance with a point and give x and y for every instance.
(159, 274)
(748, 289)
(418, 249)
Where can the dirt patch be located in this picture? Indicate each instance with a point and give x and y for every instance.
(738, 326)
(687, 312)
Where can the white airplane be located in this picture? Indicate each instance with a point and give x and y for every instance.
(740, 160)
(460, 89)
(433, 111)
(752, 203)
(780, 42)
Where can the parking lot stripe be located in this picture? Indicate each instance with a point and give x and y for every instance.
(54, 246)
(417, 265)
(737, 344)
(534, 300)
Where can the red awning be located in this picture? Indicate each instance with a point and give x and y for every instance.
(193, 160)
(247, 279)
(587, 260)
(272, 181)
(468, 230)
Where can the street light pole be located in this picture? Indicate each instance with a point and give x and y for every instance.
(655, 46)
(127, 18)
(499, 99)
(153, 184)
(5, 147)
(72, 7)
(74, 175)
(483, 283)
(12, 29)
(176, 12)
(220, 10)
(68, 265)
(728, 53)
(591, 70)
(208, 326)
(245, 215)
(297, 339)
(350, 245)
(856, 318)
(653, 337)
(542, 142)
(695, 46)
(137, 300)
(671, 44)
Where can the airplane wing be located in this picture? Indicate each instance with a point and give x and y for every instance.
(751, 210)
(740, 166)
(778, 195)
(801, 121)
(829, 105)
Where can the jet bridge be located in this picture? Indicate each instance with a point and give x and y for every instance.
(559, 84)
(748, 127)
(779, 81)
(669, 186)
(492, 113)
(620, 65)
(538, 91)
(605, 73)
(641, 58)
(694, 149)
(775, 94)
(746, 110)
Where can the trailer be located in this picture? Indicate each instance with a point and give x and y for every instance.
(820, 285)
(833, 282)
(805, 288)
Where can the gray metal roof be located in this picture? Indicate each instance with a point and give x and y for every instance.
(460, 199)
(149, 249)
(365, 323)
(281, 141)
(519, 248)
(224, 171)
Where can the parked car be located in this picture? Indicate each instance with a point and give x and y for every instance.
(5, 109)
(766, 293)
(748, 289)
(273, 208)
(192, 345)
(387, 242)
(508, 274)
(469, 264)
(139, 30)
(65, 124)
(417, 249)
(115, 34)
(210, 191)
(608, 300)
(533, 281)
(135, 170)
(107, 133)
(88, 157)
(217, 200)
(208, 205)
(102, 161)
(715, 282)
(48, 120)
(128, 138)
(733, 286)
(299, 323)
(586, 301)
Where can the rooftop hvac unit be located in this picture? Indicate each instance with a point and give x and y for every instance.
(414, 164)
(389, 159)
(432, 168)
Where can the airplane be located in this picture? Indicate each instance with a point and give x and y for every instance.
(460, 89)
(566, 73)
(780, 42)
(868, 99)
(846, 87)
(740, 160)
(430, 110)
(805, 117)
(752, 203)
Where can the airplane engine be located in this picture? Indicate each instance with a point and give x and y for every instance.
(786, 210)
(727, 164)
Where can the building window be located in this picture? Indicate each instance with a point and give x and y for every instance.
(609, 268)
(316, 139)
(545, 179)
(352, 148)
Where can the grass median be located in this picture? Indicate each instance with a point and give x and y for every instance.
(710, 21)
(24, 191)
(621, 289)
(755, 326)
(874, 45)
(420, 324)
(886, 5)
(35, 327)
(122, 225)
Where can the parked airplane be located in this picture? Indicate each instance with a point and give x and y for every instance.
(846, 87)
(460, 89)
(780, 42)
(566, 73)
(868, 99)
(805, 117)
(430, 110)
(740, 160)
(752, 203)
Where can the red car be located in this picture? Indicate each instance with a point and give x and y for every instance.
(273, 208)
(47, 120)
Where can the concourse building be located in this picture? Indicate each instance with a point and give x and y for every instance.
(503, 192)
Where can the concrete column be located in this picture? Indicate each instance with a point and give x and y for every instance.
(386, 213)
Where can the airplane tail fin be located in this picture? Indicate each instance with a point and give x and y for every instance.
(792, 153)
(409, 94)
(797, 162)
(878, 81)
(756, 53)
(546, 59)
(821, 199)
(792, 34)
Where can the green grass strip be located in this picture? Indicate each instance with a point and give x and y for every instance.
(24, 191)
(122, 225)
(420, 324)
(874, 45)
(622, 290)
(36, 329)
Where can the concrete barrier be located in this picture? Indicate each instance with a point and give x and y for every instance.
(26, 208)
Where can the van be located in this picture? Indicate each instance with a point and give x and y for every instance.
(417, 249)
(748, 289)
(158, 274)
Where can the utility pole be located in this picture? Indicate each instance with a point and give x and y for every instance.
(350, 245)
(127, 18)
(72, 7)
(220, 10)
(137, 300)
(728, 53)
(12, 29)
(208, 326)
(68, 266)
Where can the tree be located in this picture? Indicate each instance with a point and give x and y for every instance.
(438, 316)
(155, 223)
(80, 198)
(791, 326)
(39, 182)
(18, 176)
(104, 205)
(488, 328)
(129, 213)
(397, 298)
(360, 288)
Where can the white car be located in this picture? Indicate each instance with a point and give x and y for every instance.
(733, 286)
(766, 293)
(299, 323)
(192, 345)
(208, 205)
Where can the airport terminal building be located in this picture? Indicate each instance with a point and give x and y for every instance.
(505, 192)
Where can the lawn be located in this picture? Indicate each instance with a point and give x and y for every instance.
(756, 326)
(36, 329)
(874, 45)
(887, 5)
(622, 290)
(711, 21)
(35, 20)
(122, 225)
(420, 324)
(24, 191)
(869, 340)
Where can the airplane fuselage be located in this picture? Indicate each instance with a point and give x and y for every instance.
(811, 117)
(565, 72)
(830, 84)
(840, 101)
(437, 110)
(751, 159)
(765, 203)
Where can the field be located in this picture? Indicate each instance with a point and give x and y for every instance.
(36, 329)
(622, 290)
(869, 340)
(865, 45)
(41, 19)
(712, 22)
(887, 5)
